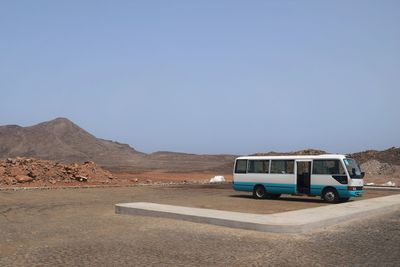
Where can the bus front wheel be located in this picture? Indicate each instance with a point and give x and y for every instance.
(330, 195)
(259, 192)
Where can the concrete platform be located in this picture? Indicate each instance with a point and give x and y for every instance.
(298, 221)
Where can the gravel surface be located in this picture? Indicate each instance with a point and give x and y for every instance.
(79, 228)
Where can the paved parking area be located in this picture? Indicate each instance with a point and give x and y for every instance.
(297, 221)
(79, 228)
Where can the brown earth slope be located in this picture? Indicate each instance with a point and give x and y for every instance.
(66, 142)
(61, 140)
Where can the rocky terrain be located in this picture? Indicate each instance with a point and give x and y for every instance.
(29, 172)
(380, 167)
(300, 152)
(59, 145)
(390, 156)
(15, 171)
(381, 173)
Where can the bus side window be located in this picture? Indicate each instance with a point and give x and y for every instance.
(328, 166)
(289, 166)
(241, 166)
(282, 166)
(258, 166)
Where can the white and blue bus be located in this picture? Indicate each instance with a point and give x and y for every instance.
(336, 178)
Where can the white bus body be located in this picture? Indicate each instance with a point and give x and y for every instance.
(333, 177)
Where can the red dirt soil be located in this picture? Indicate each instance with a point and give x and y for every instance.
(28, 172)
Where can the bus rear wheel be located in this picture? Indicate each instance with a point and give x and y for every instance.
(330, 195)
(259, 192)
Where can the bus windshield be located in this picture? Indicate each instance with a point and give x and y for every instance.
(353, 168)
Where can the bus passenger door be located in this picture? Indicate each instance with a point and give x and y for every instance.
(303, 177)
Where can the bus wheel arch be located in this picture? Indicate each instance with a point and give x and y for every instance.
(330, 195)
(259, 191)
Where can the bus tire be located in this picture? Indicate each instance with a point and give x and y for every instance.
(259, 192)
(330, 195)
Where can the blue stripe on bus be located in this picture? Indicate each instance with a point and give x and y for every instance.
(275, 188)
(272, 188)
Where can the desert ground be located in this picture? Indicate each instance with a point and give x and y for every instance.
(76, 227)
(31, 172)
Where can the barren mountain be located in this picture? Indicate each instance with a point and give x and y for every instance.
(64, 141)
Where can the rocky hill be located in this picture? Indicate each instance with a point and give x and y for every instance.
(309, 151)
(390, 156)
(62, 140)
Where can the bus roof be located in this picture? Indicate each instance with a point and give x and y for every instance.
(325, 156)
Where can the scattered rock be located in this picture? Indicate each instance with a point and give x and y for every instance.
(26, 170)
(23, 179)
(390, 183)
(11, 161)
(81, 178)
(217, 179)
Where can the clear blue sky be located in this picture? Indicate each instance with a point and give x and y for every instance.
(207, 76)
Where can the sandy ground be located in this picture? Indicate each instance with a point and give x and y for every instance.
(211, 196)
(222, 197)
(78, 227)
(155, 177)
(128, 179)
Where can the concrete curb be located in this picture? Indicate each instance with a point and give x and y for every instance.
(298, 221)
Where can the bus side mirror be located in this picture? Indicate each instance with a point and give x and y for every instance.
(362, 174)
